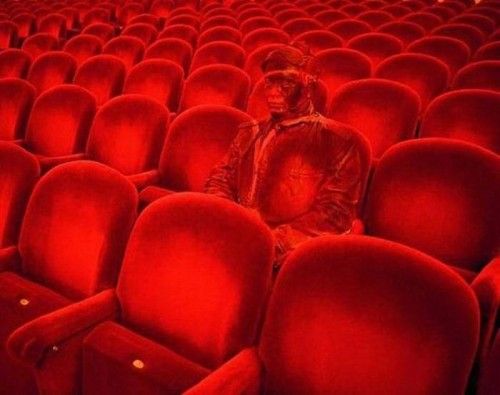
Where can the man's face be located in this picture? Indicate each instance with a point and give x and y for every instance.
(284, 90)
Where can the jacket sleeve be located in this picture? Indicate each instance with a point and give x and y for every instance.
(334, 209)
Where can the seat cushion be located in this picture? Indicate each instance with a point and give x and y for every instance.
(119, 361)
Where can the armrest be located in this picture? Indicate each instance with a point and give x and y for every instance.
(10, 260)
(47, 162)
(142, 180)
(487, 288)
(240, 375)
(29, 342)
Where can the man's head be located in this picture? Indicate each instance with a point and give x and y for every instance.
(289, 74)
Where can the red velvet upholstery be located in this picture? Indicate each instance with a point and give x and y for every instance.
(426, 75)
(218, 21)
(161, 8)
(86, 211)
(14, 63)
(51, 69)
(216, 84)
(353, 9)
(258, 22)
(298, 26)
(60, 121)
(451, 51)
(445, 13)
(438, 195)
(407, 32)
(183, 32)
(96, 15)
(53, 24)
(218, 52)
(328, 17)
(128, 133)
(377, 46)
(150, 19)
(385, 112)
(103, 75)
(489, 381)
(129, 49)
(197, 140)
(469, 35)
(174, 49)
(483, 23)
(16, 99)
(349, 28)
(83, 46)
(251, 13)
(479, 75)
(143, 31)
(396, 10)
(19, 171)
(341, 65)
(128, 11)
(358, 315)
(186, 324)
(375, 18)
(288, 14)
(220, 33)
(40, 43)
(159, 79)
(184, 19)
(26, 24)
(104, 31)
(468, 115)
(318, 40)
(490, 51)
(262, 37)
(424, 19)
(8, 34)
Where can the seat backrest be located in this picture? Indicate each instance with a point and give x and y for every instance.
(54, 24)
(218, 52)
(16, 99)
(479, 75)
(384, 111)
(438, 196)
(184, 19)
(26, 24)
(288, 14)
(104, 31)
(349, 28)
(407, 32)
(207, 265)
(128, 11)
(39, 43)
(86, 211)
(14, 63)
(159, 79)
(143, 31)
(426, 20)
(319, 40)
(51, 69)
(8, 34)
(103, 75)
(128, 133)
(397, 10)
(328, 17)
(298, 26)
(220, 33)
(349, 315)
(216, 84)
(128, 49)
(264, 36)
(470, 35)
(483, 23)
(377, 46)
(174, 49)
(60, 121)
(183, 32)
(490, 51)
(197, 141)
(468, 115)
(96, 15)
(375, 18)
(19, 170)
(257, 22)
(83, 46)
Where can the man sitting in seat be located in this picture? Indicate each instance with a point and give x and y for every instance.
(301, 172)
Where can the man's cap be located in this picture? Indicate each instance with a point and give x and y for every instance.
(290, 57)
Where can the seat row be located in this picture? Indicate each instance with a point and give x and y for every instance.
(178, 304)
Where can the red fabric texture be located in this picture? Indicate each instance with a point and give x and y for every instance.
(375, 18)
(216, 84)
(16, 99)
(218, 52)
(54, 24)
(174, 49)
(489, 382)
(479, 75)
(407, 32)
(39, 43)
(8, 34)
(364, 315)
(210, 316)
(220, 33)
(470, 35)
(184, 32)
(128, 133)
(83, 46)
(385, 112)
(104, 31)
(318, 40)
(264, 36)
(219, 20)
(19, 171)
(297, 26)
(469, 115)
(490, 51)
(14, 63)
(159, 79)
(377, 46)
(349, 28)
(143, 31)
(60, 120)
(51, 69)
(103, 75)
(426, 20)
(437, 195)
(129, 49)
(258, 22)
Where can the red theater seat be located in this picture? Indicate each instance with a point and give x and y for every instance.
(218, 10)
(298, 26)
(26, 24)
(222, 304)
(197, 141)
(469, 115)
(96, 15)
(349, 28)
(328, 17)
(216, 84)
(16, 99)
(14, 63)
(426, 75)
(220, 33)
(426, 20)
(218, 52)
(479, 75)
(353, 9)
(445, 13)
(59, 123)
(489, 12)
(161, 8)
(103, 75)
(183, 32)
(128, 11)
(407, 32)
(415, 5)
(252, 13)
(377, 46)
(318, 40)
(397, 10)
(129, 49)
(374, 4)
(159, 79)
(257, 23)
(150, 19)
(86, 211)
(341, 65)
(470, 35)
(218, 21)
(490, 51)
(385, 112)
(19, 171)
(8, 34)
(83, 46)
(288, 14)
(375, 18)
(348, 315)
(451, 51)
(489, 382)
(174, 49)
(314, 8)
(39, 43)
(104, 31)
(483, 23)
(51, 69)
(438, 196)
(143, 31)
(183, 9)
(54, 24)
(191, 20)
(261, 37)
